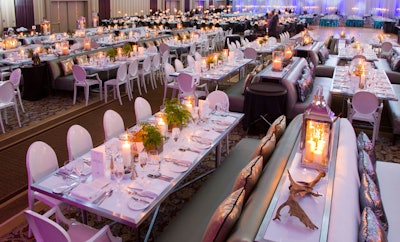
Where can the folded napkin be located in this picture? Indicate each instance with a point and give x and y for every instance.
(223, 120)
(181, 157)
(154, 188)
(89, 191)
(205, 137)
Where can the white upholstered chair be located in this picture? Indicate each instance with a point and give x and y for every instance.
(7, 99)
(113, 124)
(142, 110)
(365, 107)
(41, 160)
(79, 141)
(44, 229)
(85, 81)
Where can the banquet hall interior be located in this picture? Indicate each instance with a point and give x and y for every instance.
(289, 103)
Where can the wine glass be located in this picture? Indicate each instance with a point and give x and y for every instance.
(78, 168)
(119, 170)
(142, 160)
(175, 134)
(154, 163)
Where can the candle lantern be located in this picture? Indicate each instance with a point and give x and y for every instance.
(316, 134)
(64, 47)
(342, 34)
(86, 44)
(100, 30)
(81, 22)
(288, 51)
(45, 27)
(277, 57)
(189, 102)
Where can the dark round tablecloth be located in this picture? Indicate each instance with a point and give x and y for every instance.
(36, 85)
(265, 99)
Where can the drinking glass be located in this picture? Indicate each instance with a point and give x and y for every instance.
(119, 171)
(142, 160)
(175, 134)
(78, 168)
(154, 163)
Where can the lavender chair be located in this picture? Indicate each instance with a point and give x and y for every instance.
(146, 71)
(178, 65)
(121, 79)
(219, 100)
(156, 70)
(189, 86)
(133, 73)
(365, 107)
(169, 81)
(44, 229)
(85, 81)
(15, 79)
(7, 99)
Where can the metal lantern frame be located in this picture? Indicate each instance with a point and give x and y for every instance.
(317, 133)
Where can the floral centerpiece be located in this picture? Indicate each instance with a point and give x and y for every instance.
(176, 113)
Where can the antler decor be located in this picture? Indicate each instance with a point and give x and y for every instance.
(300, 189)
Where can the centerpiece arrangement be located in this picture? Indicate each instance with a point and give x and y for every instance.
(150, 136)
(112, 53)
(176, 113)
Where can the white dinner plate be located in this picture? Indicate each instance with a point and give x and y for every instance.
(177, 168)
(137, 205)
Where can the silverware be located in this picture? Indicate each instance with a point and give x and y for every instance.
(140, 200)
(103, 197)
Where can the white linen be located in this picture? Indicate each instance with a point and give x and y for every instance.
(89, 191)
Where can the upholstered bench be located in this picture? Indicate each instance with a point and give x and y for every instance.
(394, 112)
(389, 179)
(192, 222)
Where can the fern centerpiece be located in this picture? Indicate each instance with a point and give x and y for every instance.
(152, 138)
(112, 53)
(176, 113)
(126, 49)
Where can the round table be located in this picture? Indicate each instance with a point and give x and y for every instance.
(266, 99)
(36, 85)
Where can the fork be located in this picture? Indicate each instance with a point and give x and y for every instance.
(106, 195)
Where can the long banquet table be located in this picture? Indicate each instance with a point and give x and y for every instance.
(376, 82)
(178, 159)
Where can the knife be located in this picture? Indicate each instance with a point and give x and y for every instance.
(103, 195)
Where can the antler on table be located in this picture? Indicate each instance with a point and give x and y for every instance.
(299, 189)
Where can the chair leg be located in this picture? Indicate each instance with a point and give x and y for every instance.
(74, 98)
(101, 90)
(1, 123)
(128, 90)
(105, 93)
(118, 94)
(20, 100)
(17, 114)
(86, 89)
(144, 83)
(138, 85)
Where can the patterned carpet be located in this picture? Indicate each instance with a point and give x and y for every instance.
(61, 102)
